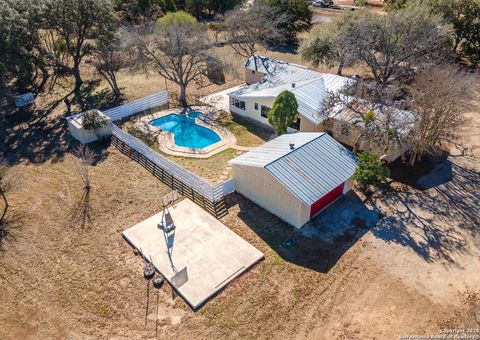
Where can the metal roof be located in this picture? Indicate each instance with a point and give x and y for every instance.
(316, 165)
(274, 149)
(400, 120)
(309, 87)
(262, 64)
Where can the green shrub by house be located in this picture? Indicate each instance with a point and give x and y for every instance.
(371, 170)
(284, 112)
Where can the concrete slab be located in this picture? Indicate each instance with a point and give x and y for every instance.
(212, 254)
(220, 100)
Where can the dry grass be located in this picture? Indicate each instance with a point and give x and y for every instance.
(60, 281)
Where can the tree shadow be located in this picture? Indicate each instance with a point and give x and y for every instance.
(89, 97)
(35, 137)
(437, 224)
(322, 241)
(99, 150)
(39, 136)
(425, 174)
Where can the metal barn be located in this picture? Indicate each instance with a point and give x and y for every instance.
(295, 176)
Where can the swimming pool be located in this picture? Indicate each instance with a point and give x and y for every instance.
(185, 131)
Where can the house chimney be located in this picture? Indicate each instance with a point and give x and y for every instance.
(293, 85)
(292, 146)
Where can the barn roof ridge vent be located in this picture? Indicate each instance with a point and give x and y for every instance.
(321, 134)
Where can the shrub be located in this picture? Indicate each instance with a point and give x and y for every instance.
(284, 112)
(371, 170)
(369, 116)
(94, 120)
(361, 3)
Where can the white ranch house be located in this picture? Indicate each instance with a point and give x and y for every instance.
(266, 78)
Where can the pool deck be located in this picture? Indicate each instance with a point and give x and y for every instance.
(199, 258)
(166, 140)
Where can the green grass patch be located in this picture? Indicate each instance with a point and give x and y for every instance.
(214, 169)
(246, 132)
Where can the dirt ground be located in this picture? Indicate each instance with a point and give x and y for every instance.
(405, 263)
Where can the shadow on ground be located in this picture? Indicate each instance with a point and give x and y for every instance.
(437, 223)
(321, 242)
(90, 97)
(38, 136)
(423, 175)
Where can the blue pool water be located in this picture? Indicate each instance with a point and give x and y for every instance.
(186, 132)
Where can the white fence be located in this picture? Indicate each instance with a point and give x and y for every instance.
(137, 106)
(179, 178)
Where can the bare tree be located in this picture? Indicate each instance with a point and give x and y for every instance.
(370, 108)
(73, 25)
(82, 210)
(439, 97)
(257, 24)
(176, 50)
(433, 109)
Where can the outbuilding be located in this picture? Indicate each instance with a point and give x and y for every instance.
(295, 176)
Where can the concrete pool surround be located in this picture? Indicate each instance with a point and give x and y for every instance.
(166, 140)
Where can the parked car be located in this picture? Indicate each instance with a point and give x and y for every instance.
(323, 3)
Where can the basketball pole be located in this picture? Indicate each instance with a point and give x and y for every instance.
(148, 298)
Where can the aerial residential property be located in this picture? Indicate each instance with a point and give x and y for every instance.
(263, 169)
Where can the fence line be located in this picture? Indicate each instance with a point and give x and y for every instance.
(137, 106)
(210, 197)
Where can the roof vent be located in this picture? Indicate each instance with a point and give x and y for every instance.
(292, 146)
(293, 85)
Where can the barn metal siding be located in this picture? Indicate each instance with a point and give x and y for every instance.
(259, 186)
(314, 169)
(287, 182)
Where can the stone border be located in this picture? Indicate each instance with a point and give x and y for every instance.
(166, 140)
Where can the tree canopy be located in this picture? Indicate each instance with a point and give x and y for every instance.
(176, 49)
(74, 23)
(298, 13)
(390, 46)
(254, 25)
(463, 15)
(284, 112)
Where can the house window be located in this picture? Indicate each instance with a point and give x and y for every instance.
(256, 106)
(344, 130)
(296, 125)
(237, 103)
(264, 111)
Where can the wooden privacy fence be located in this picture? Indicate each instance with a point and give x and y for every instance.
(208, 196)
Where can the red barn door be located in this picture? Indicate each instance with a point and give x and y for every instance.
(326, 200)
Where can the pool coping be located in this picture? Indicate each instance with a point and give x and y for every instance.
(165, 139)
